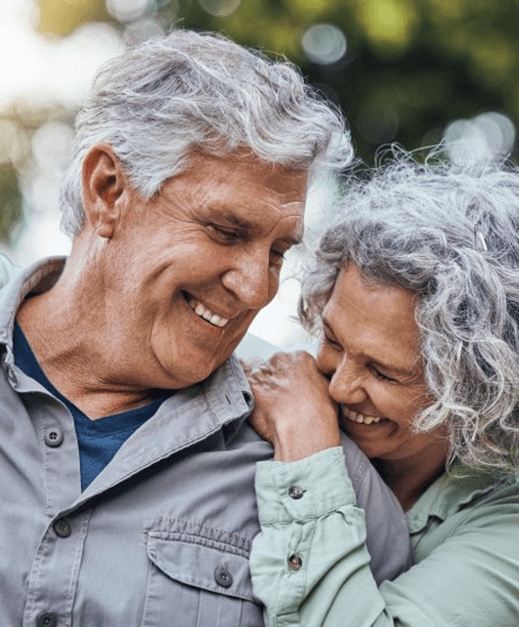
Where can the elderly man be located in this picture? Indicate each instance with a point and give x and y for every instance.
(127, 466)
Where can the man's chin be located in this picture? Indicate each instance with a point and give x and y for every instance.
(183, 372)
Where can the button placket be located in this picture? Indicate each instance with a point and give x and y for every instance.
(57, 571)
(60, 452)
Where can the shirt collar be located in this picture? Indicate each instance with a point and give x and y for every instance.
(37, 278)
(228, 393)
(449, 493)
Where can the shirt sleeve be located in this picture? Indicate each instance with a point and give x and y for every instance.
(387, 534)
(310, 564)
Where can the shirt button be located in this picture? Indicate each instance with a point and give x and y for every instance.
(295, 562)
(53, 437)
(223, 577)
(46, 619)
(62, 528)
(294, 492)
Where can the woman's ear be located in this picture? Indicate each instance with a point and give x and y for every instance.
(104, 183)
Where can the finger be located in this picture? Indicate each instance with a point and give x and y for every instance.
(265, 367)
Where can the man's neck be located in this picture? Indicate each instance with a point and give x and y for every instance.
(65, 339)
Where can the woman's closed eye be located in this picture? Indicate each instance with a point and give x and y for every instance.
(381, 376)
(332, 342)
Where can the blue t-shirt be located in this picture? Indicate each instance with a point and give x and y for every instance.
(98, 440)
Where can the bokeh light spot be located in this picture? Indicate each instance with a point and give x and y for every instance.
(486, 137)
(388, 21)
(219, 8)
(127, 10)
(324, 43)
(52, 146)
(141, 30)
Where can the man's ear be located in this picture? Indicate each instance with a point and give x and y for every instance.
(104, 183)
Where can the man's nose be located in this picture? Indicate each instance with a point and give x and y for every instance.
(251, 279)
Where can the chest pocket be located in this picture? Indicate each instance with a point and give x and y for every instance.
(198, 576)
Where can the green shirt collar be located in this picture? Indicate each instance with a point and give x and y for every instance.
(451, 492)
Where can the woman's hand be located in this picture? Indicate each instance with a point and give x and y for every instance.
(293, 410)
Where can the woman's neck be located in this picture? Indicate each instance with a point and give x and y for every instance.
(409, 478)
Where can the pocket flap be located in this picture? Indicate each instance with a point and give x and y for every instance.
(212, 563)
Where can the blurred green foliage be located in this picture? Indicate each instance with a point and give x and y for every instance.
(17, 127)
(11, 210)
(410, 68)
(423, 63)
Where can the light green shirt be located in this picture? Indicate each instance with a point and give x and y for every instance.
(465, 551)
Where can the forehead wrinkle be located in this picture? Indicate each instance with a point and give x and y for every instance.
(230, 217)
(413, 370)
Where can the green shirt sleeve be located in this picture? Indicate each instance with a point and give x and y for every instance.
(466, 570)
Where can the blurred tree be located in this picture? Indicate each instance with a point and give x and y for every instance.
(405, 69)
(410, 66)
(61, 17)
(11, 210)
(18, 124)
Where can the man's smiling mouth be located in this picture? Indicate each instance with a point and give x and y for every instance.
(205, 313)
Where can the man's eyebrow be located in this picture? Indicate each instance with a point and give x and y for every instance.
(233, 220)
(252, 227)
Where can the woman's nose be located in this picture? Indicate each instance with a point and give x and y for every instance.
(346, 384)
(346, 389)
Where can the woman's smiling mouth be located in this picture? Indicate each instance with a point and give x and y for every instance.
(354, 416)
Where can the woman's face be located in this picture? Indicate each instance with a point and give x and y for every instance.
(370, 350)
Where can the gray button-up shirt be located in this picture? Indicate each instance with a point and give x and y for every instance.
(162, 536)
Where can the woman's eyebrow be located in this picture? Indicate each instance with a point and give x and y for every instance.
(402, 371)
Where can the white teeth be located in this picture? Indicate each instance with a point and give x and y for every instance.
(359, 418)
(206, 314)
(216, 320)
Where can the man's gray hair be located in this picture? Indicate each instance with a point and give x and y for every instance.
(158, 101)
(451, 234)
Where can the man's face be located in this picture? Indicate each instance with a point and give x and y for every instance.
(191, 267)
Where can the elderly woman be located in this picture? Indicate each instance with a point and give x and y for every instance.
(415, 291)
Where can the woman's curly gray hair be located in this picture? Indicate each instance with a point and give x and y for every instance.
(451, 234)
(159, 100)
